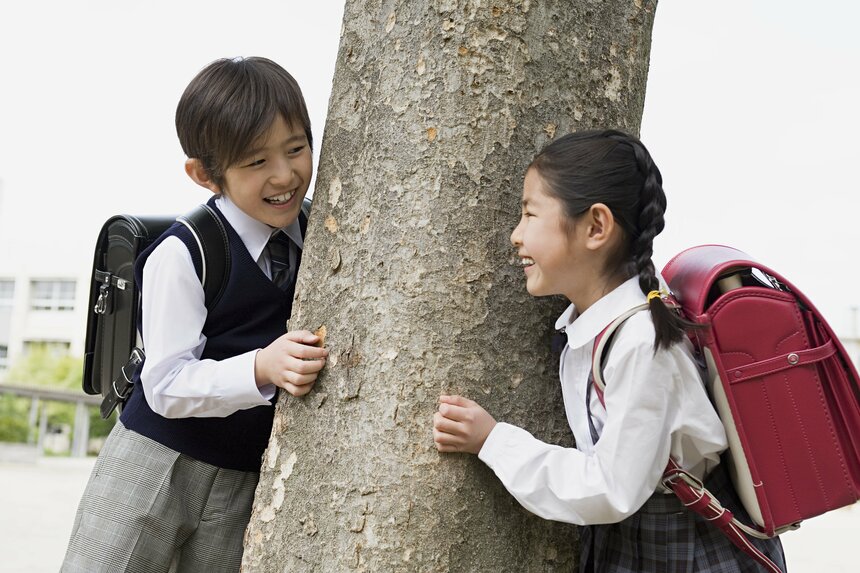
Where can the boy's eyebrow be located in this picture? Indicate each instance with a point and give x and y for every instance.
(257, 149)
(296, 137)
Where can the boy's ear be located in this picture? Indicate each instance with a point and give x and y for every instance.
(600, 226)
(195, 170)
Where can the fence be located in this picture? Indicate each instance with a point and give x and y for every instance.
(81, 428)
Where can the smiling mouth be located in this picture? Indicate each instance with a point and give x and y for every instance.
(521, 261)
(280, 199)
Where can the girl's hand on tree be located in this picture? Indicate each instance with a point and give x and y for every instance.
(291, 362)
(461, 425)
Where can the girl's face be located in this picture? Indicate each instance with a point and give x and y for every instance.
(551, 247)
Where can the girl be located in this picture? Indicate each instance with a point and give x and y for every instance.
(592, 204)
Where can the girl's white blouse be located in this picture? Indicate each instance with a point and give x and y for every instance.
(655, 405)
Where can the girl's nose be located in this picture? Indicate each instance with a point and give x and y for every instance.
(517, 235)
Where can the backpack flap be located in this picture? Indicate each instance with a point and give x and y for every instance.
(113, 301)
(781, 381)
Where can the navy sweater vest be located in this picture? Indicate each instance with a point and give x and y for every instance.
(251, 314)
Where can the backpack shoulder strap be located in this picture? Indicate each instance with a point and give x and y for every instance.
(208, 231)
(601, 342)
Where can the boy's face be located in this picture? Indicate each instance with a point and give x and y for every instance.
(270, 182)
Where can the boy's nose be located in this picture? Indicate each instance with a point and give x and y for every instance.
(283, 173)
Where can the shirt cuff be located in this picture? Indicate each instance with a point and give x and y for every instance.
(239, 370)
(502, 437)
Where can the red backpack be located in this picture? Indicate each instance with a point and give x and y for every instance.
(784, 387)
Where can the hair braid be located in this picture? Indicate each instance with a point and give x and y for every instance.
(669, 327)
(652, 203)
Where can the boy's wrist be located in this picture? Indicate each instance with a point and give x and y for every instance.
(260, 378)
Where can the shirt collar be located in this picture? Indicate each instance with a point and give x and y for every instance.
(581, 329)
(254, 234)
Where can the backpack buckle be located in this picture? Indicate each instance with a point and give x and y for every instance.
(101, 305)
(123, 384)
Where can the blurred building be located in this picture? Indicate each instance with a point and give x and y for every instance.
(41, 310)
(39, 306)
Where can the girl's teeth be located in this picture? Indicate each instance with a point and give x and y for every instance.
(521, 261)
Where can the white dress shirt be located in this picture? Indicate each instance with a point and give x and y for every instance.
(655, 404)
(176, 382)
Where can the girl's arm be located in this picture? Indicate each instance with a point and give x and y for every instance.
(623, 469)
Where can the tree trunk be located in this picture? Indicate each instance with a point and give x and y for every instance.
(436, 110)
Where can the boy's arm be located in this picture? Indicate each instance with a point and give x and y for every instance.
(176, 382)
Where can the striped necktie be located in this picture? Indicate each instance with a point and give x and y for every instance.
(279, 247)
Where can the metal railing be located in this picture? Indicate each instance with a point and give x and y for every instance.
(37, 394)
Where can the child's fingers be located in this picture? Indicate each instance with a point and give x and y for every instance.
(446, 442)
(297, 390)
(289, 378)
(457, 401)
(441, 441)
(456, 413)
(446, 449)
(304, 366)
(443, 424)
(302, 336)
(305, 352)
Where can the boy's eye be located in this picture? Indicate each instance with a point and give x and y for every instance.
(255, 162)
(298, 149)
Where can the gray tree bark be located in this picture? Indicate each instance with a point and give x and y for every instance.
(436, 110)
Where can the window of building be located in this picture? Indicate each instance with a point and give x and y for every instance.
(52, 347)
(4, 357)
(7, 292)
(52, 295)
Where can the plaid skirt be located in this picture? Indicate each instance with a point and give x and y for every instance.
(665, 537)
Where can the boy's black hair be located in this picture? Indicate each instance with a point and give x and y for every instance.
(614, 168)
(231, 103)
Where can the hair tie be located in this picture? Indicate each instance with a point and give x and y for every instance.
(657, 294)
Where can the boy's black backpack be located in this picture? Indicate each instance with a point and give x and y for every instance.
(113, 346)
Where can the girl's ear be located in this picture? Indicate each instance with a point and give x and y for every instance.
(600, 226)
(195, 170)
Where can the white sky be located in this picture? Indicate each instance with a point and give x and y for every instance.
(751, 113)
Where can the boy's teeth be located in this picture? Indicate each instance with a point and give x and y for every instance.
(281, 198)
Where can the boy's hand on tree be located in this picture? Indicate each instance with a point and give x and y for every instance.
(291, 362)
(461, 425)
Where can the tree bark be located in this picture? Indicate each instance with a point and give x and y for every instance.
(436, 110)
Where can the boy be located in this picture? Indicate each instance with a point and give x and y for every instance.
(174, 483)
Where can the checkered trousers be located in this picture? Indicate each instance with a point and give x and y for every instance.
(664, 537)
(150, 509)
